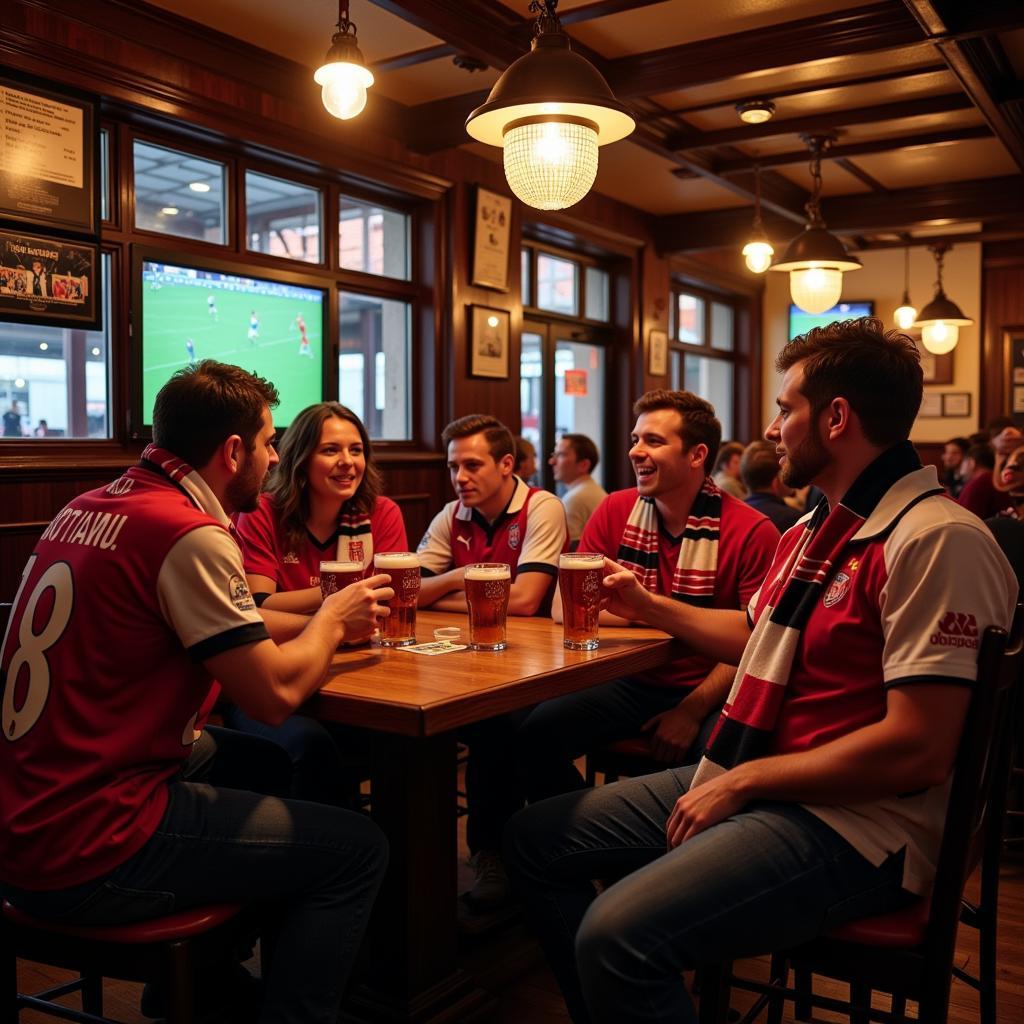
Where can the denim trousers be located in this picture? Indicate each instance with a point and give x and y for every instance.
(319, 866)
(765, 879)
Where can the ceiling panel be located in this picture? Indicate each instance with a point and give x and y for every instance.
(1013, 44)
(931, 165)
(834, 180)
(433, 80)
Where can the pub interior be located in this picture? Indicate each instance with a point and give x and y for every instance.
(393, 242)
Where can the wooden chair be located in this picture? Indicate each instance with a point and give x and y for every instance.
(909, 953)
(165, 949)
(629, 757)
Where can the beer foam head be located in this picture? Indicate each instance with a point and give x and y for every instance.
(580, 560)
(488, 571)
(341, 567)
(385, 560)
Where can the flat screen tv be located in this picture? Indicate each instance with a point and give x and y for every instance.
(801, 322)
(192, 310)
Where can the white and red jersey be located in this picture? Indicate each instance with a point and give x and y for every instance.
(130, 588)
(265, 552)
(529, 535)
(916, 587)
(746, 544)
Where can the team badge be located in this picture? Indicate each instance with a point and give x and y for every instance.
(355, 551)
(291, 558)
(513, 536)
(238, 590)
(837, 590)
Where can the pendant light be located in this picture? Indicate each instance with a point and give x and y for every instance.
(344, 75)
(941, 319)
(816, 259)
(550, 111)
(906, 313)
(758, 252)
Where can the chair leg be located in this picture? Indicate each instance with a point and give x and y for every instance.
(860, 1003)
(92, 994)
(804, 985)
(179, 982)
(8, 979)
(712, 981)
(899, 1007)
(778, 975)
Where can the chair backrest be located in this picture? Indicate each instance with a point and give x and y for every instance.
(977, 799)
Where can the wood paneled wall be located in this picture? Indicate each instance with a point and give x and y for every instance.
(1002, 297)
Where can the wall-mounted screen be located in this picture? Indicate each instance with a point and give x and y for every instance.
(801, 322)
(268, 327)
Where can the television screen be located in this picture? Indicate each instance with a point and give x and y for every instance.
(268, 327)
(801, 322)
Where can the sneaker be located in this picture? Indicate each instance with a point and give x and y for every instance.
(490, 890)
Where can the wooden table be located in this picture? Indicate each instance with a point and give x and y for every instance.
(413, 703)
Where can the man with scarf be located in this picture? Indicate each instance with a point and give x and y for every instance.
(821, 795)
(684, 539)
(116, 805)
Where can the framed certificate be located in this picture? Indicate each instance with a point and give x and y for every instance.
(491, 240)
(488, 342)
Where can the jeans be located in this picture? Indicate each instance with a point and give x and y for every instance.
(565, 728)
(766, 879)
(321, 867)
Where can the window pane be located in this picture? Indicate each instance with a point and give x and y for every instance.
(709, 378)
(179, 194)
(282, 218)
(104, 173)
(690, 319)
(579, 393)
(557, 287)
(374, 378)
(531, 391)
(525, 282)
(597, 295)
(722, 327)
(374, 240)
(55, 381)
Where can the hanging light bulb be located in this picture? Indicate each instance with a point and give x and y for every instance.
(343, 75)
(816, 259)
(941, 319)
(905, 314)
(550, 110)
(758, 252)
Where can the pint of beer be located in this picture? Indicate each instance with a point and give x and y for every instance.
(335, 576)
(399, 628)
(579, 582)
(488, 585)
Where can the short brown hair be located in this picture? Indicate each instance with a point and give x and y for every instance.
(759, 466)
(583, 448)
(699, 423)
(499, 437)
(202, 405)
(877, 371)
(524, 450)
(726, 452)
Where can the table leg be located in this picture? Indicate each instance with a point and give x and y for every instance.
(413, 971)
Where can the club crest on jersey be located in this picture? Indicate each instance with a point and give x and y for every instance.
(238, 590)
(355, 551)
(837, 589)
(513, 536)
(291, 558)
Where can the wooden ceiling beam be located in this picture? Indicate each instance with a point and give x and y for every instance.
(600, 9)
(860, 174)
(1004, 233)
(412, 58)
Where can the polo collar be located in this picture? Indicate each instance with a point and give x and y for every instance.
(515, 504)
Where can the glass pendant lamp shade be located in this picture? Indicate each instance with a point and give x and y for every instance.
(758, 256)
(940, 337)
(905, 314)
(941, 319)
(343, 76)
(550, 165)
(816, 289)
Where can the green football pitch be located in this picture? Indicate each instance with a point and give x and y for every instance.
(173, 313)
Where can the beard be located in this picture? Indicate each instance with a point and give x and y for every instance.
(805, 462)
(243, 491)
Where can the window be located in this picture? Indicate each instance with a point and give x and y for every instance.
(690, 320)
(579, 393)
(374, 375)
(282, 218)
(525, 277)
(712, 379)
(596, 291)
(179, 194)
(104, 174)
(557, 285)
(55, 381)
(374, 240)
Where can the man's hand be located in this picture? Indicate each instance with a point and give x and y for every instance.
(622, 593)
(1007, 441)
(705, 806)
(358, 606)
(674, 733)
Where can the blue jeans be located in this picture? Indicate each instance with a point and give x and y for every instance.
(560, 730)
(321, 867)
(765, 879)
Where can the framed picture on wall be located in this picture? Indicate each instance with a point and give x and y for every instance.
(488, 342)
(931, 405)
(492, 227)
(1013, 370)
(657, 353)
(936, 369)
(956, 403)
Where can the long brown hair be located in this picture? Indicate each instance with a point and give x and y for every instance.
(287, 483)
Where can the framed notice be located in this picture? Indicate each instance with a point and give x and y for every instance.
(931, 405)
(49, 157)
(49, 281)
(657, 353)
(491, 240)
(956, 403)
(488, 342)
(576, 383)
(936, 369)
(1013, 370)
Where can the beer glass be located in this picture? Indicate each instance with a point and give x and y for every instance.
(579, 582)
(399, 628)
(335, 576)
(488, 585)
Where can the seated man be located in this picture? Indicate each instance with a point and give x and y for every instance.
(821, 796)
(132, 604)
(685, 539)
(759, 469)
(496, 518)
(575, 457)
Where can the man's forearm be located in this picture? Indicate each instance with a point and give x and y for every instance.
(283, 626)
(433, 588)
(718, 633)
(711, 693)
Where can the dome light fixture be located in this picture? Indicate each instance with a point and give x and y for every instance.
(906, 313)
(941, 319)
(816, 260)
(758, 252)
(550, 111)
(755, 111)
(344, 76)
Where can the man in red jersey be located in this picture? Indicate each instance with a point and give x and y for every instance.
(132, 603)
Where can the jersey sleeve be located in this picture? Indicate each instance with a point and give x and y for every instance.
(204, 597)
(388, 527)
(946, 585)
(756, 559)
(258, 541)
(545, 535)
(435, 549)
